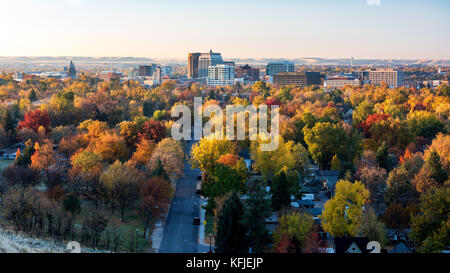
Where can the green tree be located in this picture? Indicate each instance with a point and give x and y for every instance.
(342, 213)
(281, 197)
(399, 189)
(431, 225)
(231, 236)
(437, 172)
(256, 214)
(361, 112)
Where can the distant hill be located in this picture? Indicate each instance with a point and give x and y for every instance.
(255, 61)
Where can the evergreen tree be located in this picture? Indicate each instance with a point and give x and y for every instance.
(231, 234)
(255, 217)
(159, 170)
(382, 156)
(280, 192)
(434, 164)
(32, 96)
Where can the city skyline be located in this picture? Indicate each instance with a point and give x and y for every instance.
(363, 29)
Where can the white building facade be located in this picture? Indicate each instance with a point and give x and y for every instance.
(220, 75)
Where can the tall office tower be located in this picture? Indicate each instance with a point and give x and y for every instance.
(147, 70)
(392, 77)
(301, 79)
(206, 60)
(193, 65)
(274, 68)
(71, 71)
(157, 76)
(220, 74)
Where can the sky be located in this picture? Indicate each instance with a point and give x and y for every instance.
(381, 29)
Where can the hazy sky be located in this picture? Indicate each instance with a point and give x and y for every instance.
(236, 28)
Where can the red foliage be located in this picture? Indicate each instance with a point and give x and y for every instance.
(314, 244)
(229, 160)
(34, 119)
(273, 101)
(285, 245)
(153, 130)
(371, 120)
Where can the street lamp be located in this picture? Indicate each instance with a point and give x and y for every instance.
(210, 249)
(137, 239)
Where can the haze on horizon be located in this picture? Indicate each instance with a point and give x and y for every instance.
(364, 29)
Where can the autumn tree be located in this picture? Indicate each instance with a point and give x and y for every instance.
(171, 155)
(155, 194)
(297, 227)
(206, 152)
(34, 119)
(153, 130)
(111, 147)
(121, 182)
(144, 151)
(342, 213)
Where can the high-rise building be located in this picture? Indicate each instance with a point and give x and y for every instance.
(274, 68)
(147, 70)
(390, 76)
(220, 74)
(247, 72)
(206, 60)
(193, 65)
(301, 79)
(71, 71)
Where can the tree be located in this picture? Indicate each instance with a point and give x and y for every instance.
(371, 227)
(255, 216)
(281, 198)
(430, 227)
(335, 163)
(44, 158)
(361, 112)
(399, 189)
(342, 213)
(425, 124)
(21, 176)
(298, 227)
(122, 184)
(206, 152)
(144, 151)
(153, 130)
(396, 217)
(326, 140)
(231, 232)
(155, 194)
(171, 155)
(382, 157)
(437, 172)
(374, 179)
(111, 147)
(34, 119)
(24, 158)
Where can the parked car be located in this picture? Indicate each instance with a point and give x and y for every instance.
(197, 221)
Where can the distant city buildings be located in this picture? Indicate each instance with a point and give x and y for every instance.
(146, 70)
(166, 71)
(206, 60)
(109, 75)
(274, 68)
(247, 73)
(193, 65)
(391, 77)
(339, 81)
(300, 79)
(220, 74)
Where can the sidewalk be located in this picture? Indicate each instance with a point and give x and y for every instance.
(201, 232)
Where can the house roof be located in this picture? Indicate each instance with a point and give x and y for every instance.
(342, 244)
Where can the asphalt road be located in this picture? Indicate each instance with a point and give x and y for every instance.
(180, 234)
